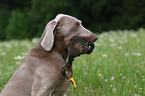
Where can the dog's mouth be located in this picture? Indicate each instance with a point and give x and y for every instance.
(90, 47)
(78, 46)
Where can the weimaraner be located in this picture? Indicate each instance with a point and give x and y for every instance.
(40, 72)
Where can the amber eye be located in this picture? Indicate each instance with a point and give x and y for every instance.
(77, 24)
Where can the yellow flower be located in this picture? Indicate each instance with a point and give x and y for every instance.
(119, 64)
(100, 74)
(115, 62)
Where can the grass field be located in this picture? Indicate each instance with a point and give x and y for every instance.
(115, 68)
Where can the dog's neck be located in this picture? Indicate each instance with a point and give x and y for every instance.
(59, 46)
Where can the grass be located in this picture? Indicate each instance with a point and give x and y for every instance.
(115, 68)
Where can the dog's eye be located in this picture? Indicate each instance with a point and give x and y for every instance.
(77, 24)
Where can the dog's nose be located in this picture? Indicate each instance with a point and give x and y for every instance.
(94, 38)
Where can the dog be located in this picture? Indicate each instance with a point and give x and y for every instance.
(40, 72)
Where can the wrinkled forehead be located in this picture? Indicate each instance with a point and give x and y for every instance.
(67, 18)
(73, 18)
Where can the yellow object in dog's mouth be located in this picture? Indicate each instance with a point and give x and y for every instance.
(73, 82)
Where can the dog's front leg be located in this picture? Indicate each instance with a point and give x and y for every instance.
(61, 89)
(44, 91)
(40, 88)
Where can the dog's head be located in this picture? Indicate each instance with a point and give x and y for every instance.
(65, 26)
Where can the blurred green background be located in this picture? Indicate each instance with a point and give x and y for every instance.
(20, 19)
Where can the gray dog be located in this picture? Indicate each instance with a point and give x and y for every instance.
(40, 72)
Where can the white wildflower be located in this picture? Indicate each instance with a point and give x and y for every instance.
(112, 45)
(112, 78)
(134, 35)
(126, 54)
(111, 40)
(135, 86)
(98, 71)
(119, 47)
(141, 30)
(106, 80)
(35, 40)
(19, 57)
(18, 63)
(3, 53)
(137, 54)
(135, 95)
(24, 54)
(120, 74)
(124, 77)
(114, 89)
(104, 55)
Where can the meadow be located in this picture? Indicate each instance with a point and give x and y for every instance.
(115, 68)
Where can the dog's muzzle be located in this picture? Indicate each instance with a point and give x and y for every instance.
(78, 46)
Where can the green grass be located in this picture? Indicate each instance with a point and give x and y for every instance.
(118, 56)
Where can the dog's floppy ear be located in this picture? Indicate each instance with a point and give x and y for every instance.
(48, 40)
